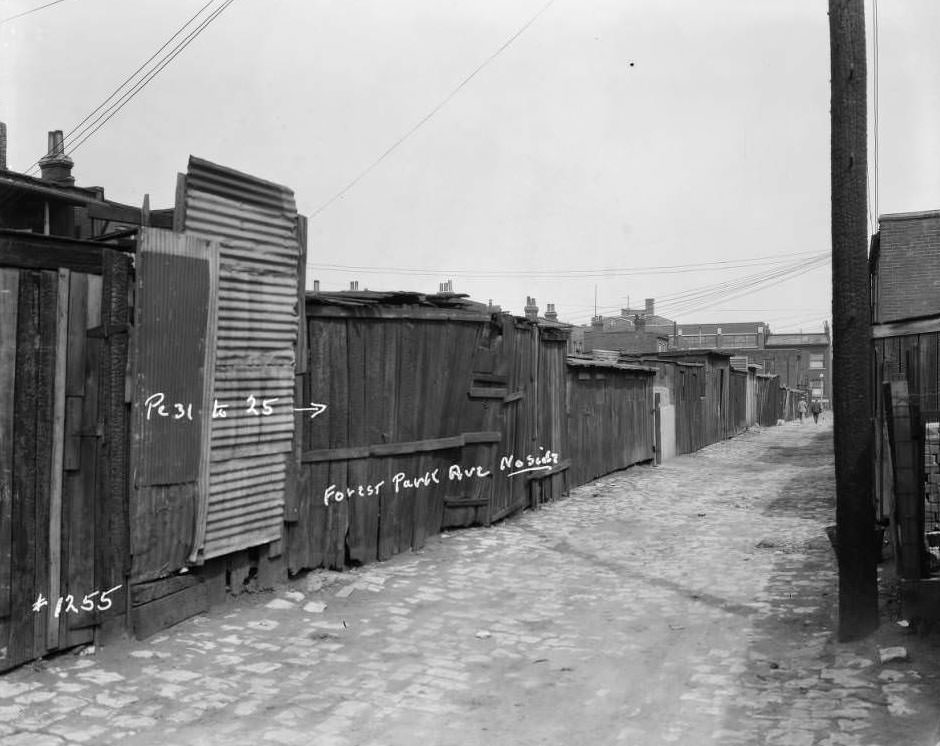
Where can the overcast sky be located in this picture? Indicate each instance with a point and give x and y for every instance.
(609, 134)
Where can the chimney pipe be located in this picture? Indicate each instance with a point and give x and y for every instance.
(56, 166)
(531, 310)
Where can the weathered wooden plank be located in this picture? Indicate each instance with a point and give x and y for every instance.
(364, 351)
(407, 403)
(78, 304)
(478, 392)
(25, 537)
(35, 251)
(904, 328)
(150, 618)
(81, 486)
(144, 593)
(401, 449)
(9, 295)
(417, 505)
(45, 413)
(112, 534)
(338, 513)
(60, 353)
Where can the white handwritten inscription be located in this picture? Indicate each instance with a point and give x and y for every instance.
(509, 466)
(542, 462)
(156, 405)
(66, 604)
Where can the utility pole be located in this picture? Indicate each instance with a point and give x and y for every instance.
(855, 510)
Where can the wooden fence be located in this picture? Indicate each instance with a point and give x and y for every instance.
(436, 408)
(64, 326)
(610, 417)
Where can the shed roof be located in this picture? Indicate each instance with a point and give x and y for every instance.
(12, 182)
(585, 362)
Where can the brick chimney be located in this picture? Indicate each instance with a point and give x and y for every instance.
(649, 306)
(531, 310)
(639, 323)
(354, 285)
(597, 323)
(550, 313)
(3, 146)
(56, 166)
(316, 286)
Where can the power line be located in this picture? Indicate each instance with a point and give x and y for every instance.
(737, 289)
(82, 134)
(708, 296)
(394, 146)
(722, 265)
(30, 11)
(167, 59)
(127, 80)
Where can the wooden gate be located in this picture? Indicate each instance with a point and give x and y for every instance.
(63, 456)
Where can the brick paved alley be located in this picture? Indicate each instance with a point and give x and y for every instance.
(691, 603)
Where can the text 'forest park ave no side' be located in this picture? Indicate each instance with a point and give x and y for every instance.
(157, 407)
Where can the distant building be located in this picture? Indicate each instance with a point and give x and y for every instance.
(721, 336)
(634, 331)
(802, 360)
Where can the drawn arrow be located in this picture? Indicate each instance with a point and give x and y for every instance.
(314, 409)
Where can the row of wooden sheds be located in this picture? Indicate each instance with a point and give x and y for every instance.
(182, 419)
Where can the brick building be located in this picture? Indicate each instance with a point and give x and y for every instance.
(905, 267)
(634, 331)
(720, 336)
(802, 360)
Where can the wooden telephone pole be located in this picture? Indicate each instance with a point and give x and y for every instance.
(852, 397)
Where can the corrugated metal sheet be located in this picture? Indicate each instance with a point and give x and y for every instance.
(255, 222)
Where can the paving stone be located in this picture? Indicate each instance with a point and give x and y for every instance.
(617, 603)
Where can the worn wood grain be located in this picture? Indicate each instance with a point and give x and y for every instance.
(9, 295)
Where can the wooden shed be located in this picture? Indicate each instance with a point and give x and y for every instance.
(436, 406)
(610, 417)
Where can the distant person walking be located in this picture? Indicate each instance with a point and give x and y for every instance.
(816, 408)
(801, 408)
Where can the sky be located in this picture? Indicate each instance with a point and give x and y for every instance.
(614, 150)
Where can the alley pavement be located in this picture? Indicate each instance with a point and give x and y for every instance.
(690, 603)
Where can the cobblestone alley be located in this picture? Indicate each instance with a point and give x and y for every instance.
(691, 603)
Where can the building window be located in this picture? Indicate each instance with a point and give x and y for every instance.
(816, 360)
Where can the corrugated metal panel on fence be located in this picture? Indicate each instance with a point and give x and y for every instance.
(256, 224)
(175, 285)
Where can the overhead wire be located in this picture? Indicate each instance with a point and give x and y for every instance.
(430, 115)
(76, 129)
(112, 110)
(29, 12)
(82, 134)
(703, 301)
(708, 296)
(724, 264)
